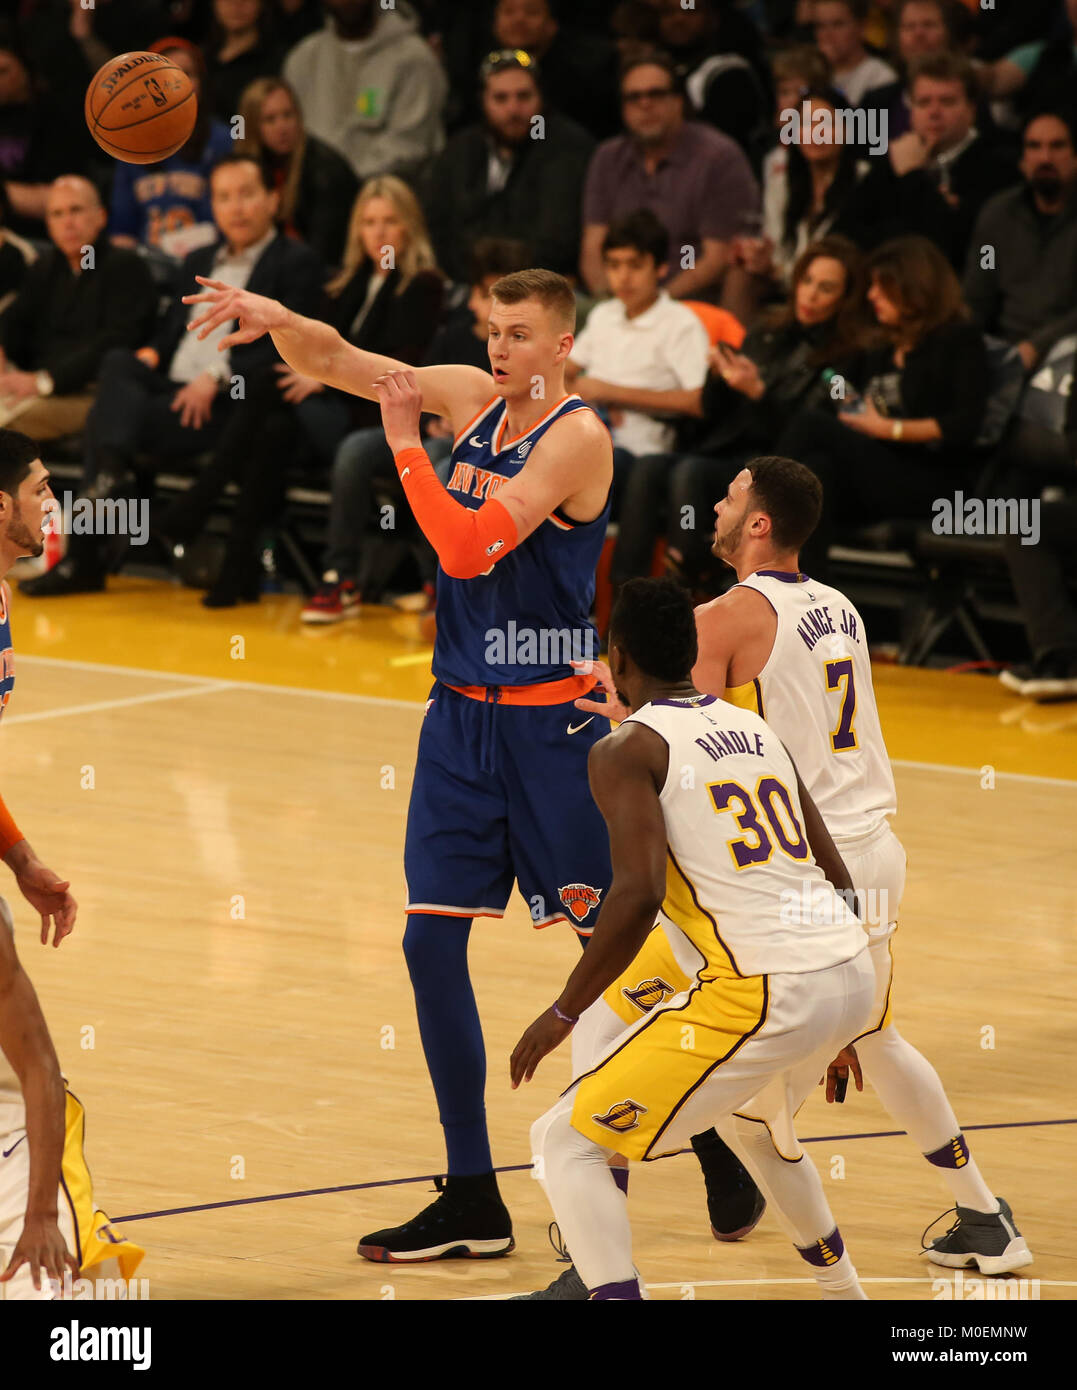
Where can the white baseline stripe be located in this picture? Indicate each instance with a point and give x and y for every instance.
(416, 704)
(111, 704)
(207, 682)
(779, 1283)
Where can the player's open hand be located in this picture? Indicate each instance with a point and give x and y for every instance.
(401, 402)
(610, 708)
(42, 1247)
(547, 1032)
(49, 895)
(837, 1074)
(256, 313)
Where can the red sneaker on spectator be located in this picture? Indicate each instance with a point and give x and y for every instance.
(333, 601)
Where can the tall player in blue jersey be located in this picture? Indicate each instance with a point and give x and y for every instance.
(500, 791)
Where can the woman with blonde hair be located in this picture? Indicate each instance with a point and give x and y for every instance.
(386, 299)
(316, 185)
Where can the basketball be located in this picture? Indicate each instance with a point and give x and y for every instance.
(141, 107)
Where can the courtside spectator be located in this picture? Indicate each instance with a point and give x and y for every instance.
(922, 28)
(910, 409)
(1040, 573)
(641, 357)
(695, 179)
(389, 311)
(750, 396)
(518, 173)
(1021, 276)
(316, 185)
(167, 205)
(177, 396)
(241, 48)
(78, 300)
(717, 52)
(1038, 74)
(579, 69)
(936, 177)
(810, 193)
(838, 26)
(369, 85)
(34, 145)
(16, 257)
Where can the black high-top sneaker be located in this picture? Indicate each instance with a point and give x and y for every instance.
(991, 1242)
(468, 1221)
(568, 1287)
(734, 1203)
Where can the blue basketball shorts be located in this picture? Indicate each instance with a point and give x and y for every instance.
(501, 794)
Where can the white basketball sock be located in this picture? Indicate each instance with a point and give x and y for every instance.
(588, 1205)
(909, 1086)
(795, 1193)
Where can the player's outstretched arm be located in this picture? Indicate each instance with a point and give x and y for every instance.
(316, 349)
(574, 460)
(627, 770)
(25, 1042)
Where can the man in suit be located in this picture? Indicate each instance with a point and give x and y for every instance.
(82, 297)
(178, 396)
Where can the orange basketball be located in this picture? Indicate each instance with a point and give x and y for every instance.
(141, 107)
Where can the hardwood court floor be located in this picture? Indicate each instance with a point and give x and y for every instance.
(234, 1012)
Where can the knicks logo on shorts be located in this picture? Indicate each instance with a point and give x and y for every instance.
(648, 993)
(579, 898)
(622, 1116)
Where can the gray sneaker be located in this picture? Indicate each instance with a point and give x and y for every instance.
(568, 1287)
(992, 1242)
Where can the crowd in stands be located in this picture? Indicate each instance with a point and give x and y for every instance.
(843, 230)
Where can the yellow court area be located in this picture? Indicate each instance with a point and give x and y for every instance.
(228, 792)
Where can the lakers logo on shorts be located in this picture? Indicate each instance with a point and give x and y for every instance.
(648, 993)
(622, 1116)
(579, 898)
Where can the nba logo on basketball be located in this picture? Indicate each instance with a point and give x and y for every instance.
(579, 898)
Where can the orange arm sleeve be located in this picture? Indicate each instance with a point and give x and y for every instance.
(467, 543)
(10, 834)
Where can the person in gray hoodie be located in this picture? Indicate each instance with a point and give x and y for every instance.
(370, 85)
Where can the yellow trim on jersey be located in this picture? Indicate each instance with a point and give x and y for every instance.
(682, 907)
(644, 984)
(888, 1009)
(748, 696)
(629, 1100)
(97, 1240)
(758, 1120)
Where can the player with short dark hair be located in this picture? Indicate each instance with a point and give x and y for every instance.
(710, 827)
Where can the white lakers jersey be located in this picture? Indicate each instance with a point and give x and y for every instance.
(742, 887)
(816, 693)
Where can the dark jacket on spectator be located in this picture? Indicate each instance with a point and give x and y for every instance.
(884, 205)
(323, 208)
(1030, 290)
(788, 359)
(226, 81)
(396, 325)
(286, 270)
(540, 203)
(64, 323)
(945, 378)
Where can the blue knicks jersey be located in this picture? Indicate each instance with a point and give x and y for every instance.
(521, 622)
(7, 652)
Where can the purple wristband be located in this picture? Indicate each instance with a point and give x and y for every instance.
(563, 1017)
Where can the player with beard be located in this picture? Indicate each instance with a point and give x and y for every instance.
(796, 653)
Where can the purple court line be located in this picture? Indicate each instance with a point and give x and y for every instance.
(517, 1168)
